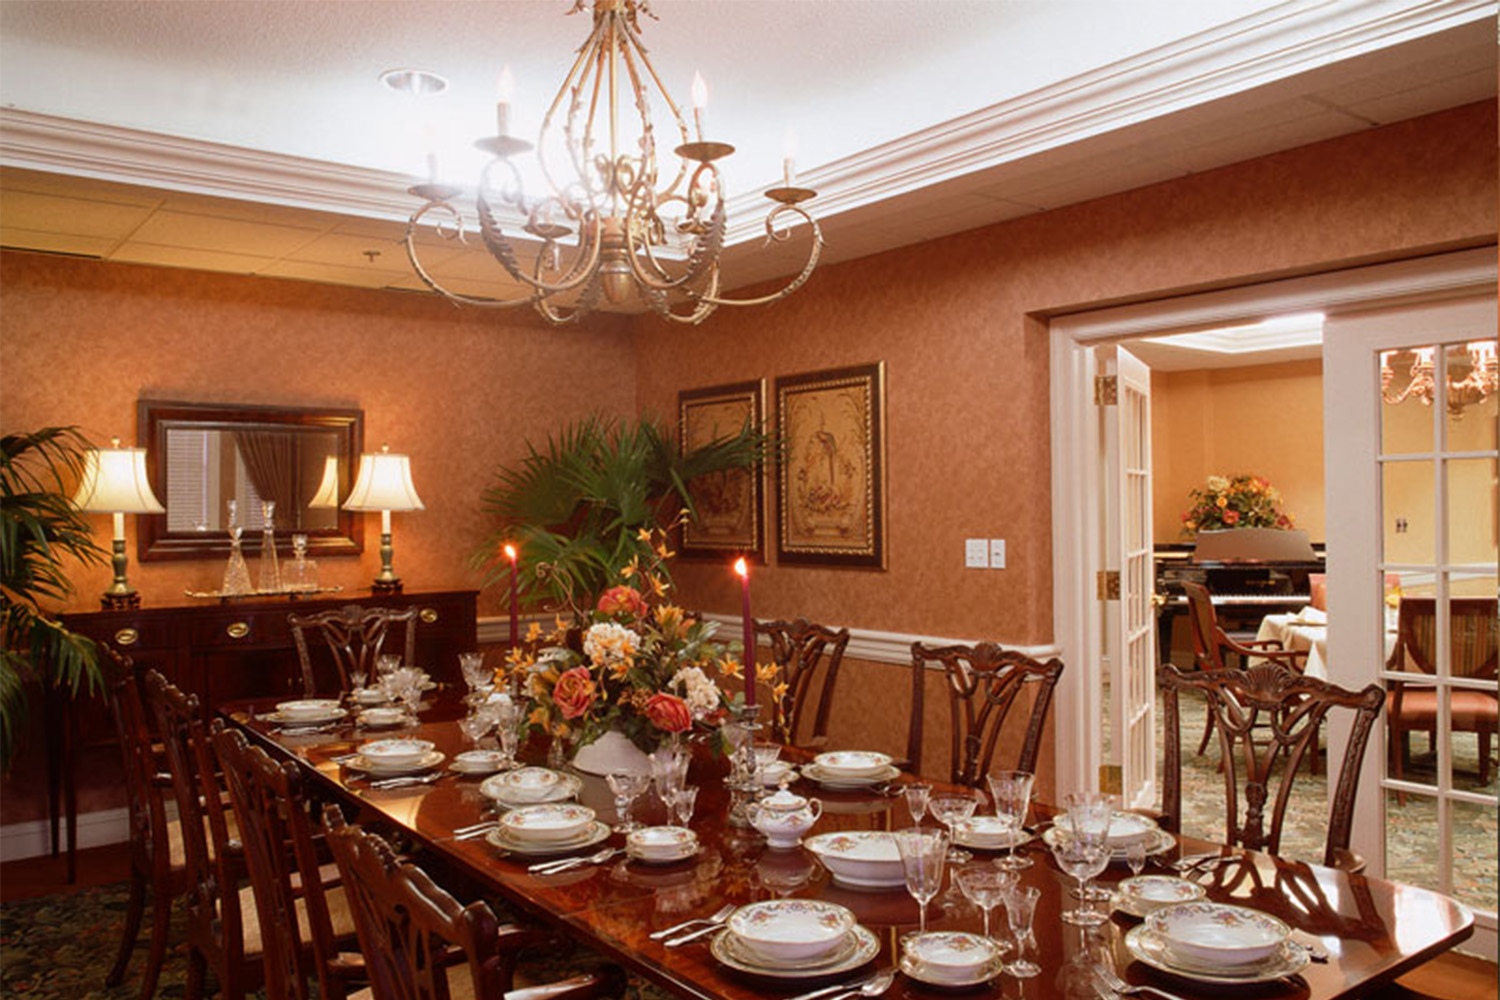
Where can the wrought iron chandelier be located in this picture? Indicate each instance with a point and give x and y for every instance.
(615, 222)
(1464, 388)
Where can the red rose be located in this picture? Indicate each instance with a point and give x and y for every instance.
(574, 692)
(622, 600)
(1231, 516)
(669, 713)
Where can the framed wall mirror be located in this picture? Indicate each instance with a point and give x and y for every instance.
(203, 455)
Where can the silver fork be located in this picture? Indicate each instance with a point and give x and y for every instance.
(1106, 976)
(568, 864)
(718, 918)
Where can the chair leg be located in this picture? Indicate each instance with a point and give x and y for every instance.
(134, 910)
(161, 919)
(1208, 730)
(197, 972)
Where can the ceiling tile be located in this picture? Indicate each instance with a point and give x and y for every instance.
(1325, 125)
(15, 178)
(70, 216)
(332, 274)
(206, 232)
(249, 211)
(203, 260)
(1465, 89)
(25, 239)
(352, 251)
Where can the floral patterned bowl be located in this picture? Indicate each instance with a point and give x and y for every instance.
(866, 858)
(306, 709)
(395, 753)
(1144, 894)
(661, 843)
(552, 821)
(1129, 828)
(852, 763)
(954, 956)
(782, 931)
(1217, 935)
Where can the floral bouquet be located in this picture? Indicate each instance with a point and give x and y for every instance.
(641, 665)
(1234, 502)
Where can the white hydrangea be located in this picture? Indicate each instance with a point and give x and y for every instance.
(697, 689)
(608, 643)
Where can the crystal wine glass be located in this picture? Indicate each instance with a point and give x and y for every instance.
(668, 771)
(923, 854)
(949, 809)
(475, 675)
(917, 793)
(683, 802)
(1082, 858)
(1020, 908)
(474, 726)
(1088, 818)
(1135, 856)
(984, 887)
(1011, 791)
(626, 786)
(508, 715)
(385, 663)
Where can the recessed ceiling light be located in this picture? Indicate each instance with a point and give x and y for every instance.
(417, 82)
(1273, 333)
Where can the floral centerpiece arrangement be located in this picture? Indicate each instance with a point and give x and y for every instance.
(637, 664)
(1234, 502)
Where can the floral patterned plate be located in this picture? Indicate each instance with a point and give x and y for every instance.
(1161, 841)
(1216, 935)
(951, 957)
(924, 974)
(813, 772)
(1144, 894)
(845, 764)
(1147, 946)
(592, 835)
(504, 789)
(548, 823)
(859, 947)
(426, 762)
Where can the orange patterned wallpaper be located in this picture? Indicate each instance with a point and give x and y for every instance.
(460, 390)
(957, 321)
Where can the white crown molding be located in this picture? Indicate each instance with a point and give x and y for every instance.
(1290, 38)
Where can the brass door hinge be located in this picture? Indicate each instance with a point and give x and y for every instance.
(1106, 390)
(1110, 779)
(1108, 584)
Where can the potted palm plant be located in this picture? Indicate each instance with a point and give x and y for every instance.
(40, 530)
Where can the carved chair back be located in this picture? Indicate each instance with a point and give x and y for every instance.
(214, 861)
(984, 684)
(282, 857)
(1287, 710)
(799, 648)
(355, 635)
(1203, 625)
(1472, 629)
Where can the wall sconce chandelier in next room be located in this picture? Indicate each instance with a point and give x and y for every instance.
(613, 224)
(1466, 384)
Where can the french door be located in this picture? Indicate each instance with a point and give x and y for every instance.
(1415, 525)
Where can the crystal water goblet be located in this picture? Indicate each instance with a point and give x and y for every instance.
(1088, 818)
(923, 854)
(1020, 909)
(916, 794)
(1011, 791)
(626, 786)
(508, 716)
(410, 688)
(358, 674)
(1081, 858)
(684, 800)
(474, 726)
(1135, 856)
(949, 809)
(669, 767)
(474, 673)
(385, 663)
(984, 886)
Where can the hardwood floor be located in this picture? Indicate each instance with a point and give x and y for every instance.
(1450, 976)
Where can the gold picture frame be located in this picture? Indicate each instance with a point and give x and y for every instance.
(831, 480)
(730, 505)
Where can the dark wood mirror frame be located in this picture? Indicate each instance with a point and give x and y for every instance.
(154, 418)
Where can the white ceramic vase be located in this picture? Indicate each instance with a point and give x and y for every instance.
(612, 752)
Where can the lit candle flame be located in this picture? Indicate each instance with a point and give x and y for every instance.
(740, 567)
(510, 552)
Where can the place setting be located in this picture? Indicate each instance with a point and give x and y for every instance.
(851, 770)
(791, 939)
(1219, 943)
(395, 763)
(530, 785)
(547, 828)
(306, 716)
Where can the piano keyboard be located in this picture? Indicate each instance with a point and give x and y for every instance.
(1219, 599)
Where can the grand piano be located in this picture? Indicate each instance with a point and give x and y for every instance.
(1251, 572)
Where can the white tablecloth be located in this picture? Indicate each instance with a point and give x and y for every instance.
(1293, 633)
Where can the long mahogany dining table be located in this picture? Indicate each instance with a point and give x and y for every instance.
(1373, 930)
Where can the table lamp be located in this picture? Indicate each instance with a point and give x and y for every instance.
(115, 482)
(327, 497)
(384, 484)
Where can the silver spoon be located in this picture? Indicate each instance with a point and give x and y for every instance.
(873, 987)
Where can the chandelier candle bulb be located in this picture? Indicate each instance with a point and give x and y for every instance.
(743, 570)
(506, 89)
(700, 102)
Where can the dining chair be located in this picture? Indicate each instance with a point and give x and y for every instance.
(984, 682)
(1412, 705)
(215, 868)
(354, 635)
(156, 850)
(1289, 709)
(1211, 642)
(410, 927)
(801, 648)
(301, 917)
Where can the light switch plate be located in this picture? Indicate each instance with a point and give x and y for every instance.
(997, 553)
(976, 553)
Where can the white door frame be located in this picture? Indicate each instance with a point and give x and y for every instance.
(1077, 622)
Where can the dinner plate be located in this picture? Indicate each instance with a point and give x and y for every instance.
(302, 719)
(427, 762)
(988, 833)
(1160, 842)
(916, 970)
(813, 772)
(1148, 946)
(496, 787)
(859, 949)
(593, 834)
(687, 854)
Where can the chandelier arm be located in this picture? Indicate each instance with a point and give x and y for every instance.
(800, 279)
(703, 306)
(500, 248)
(457, 298)
(705, 253)
(644, 105)
(572, 86)
(585, 305)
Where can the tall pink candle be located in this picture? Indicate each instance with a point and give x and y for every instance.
(515, 616)
(744, 571)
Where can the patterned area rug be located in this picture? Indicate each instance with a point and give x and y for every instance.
(60, 948)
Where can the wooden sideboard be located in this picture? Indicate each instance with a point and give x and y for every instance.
(223, 651)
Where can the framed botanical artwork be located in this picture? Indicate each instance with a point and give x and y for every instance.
(830, 483)
(730, 505)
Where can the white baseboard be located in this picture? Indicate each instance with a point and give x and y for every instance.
(33, 838)
(864, 643)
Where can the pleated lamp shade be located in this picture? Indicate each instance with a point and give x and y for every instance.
(115, 482)
(327, 497)
(384, 483)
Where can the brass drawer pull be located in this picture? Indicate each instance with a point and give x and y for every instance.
(429, 615)
(126, 637)
(238, 630)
